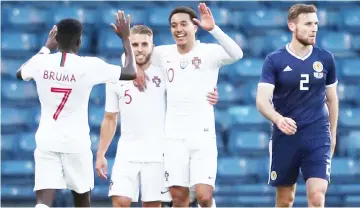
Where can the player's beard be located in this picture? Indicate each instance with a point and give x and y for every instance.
(303, 41)
(146, 60)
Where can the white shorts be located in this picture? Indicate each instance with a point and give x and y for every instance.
(190, 162)
(55, 170)
(127, 177)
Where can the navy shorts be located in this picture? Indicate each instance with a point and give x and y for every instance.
(303, 151)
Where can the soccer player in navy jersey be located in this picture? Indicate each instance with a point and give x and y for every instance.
(297, 93)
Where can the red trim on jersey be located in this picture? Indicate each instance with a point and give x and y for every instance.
(63, 58)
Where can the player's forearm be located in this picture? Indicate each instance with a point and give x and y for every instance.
(333, 106)
(107, 132)
(266, 109)
(128, 72)
(230, 46)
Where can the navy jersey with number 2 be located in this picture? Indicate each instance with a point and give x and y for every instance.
(300, 94)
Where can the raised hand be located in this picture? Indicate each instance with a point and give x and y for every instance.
(51, 42)
(122, 25)
(207, 19)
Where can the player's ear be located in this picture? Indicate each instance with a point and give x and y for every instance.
(195, 28)
(292, 26)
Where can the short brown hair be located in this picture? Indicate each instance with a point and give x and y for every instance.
(184, 9)
(141, 29)
(298, 9)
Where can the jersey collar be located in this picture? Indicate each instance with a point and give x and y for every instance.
(298, 57)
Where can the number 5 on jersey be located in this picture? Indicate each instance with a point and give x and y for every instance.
(129, 98)
(66, 92)
(304, 80)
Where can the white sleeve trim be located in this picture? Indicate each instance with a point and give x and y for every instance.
(332, 85)
(266, 84)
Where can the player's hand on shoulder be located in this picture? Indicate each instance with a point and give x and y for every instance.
(207, 20)
(213, 97)
(287, 125)
(122, 25)
(101, 166)
(140, 81)
(51, 42)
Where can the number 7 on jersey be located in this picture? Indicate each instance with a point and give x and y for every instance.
(66, 92)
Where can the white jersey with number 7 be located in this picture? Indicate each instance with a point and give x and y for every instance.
(64, 82)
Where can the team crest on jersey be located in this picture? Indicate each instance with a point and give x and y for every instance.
(196, 62)
(318, 67)
(273, 175)
(156, 80)
(183, 63)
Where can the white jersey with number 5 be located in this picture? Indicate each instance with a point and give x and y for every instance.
(190, 77)
(64, 82)
(142, 116)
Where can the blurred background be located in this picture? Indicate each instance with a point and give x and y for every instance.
(242, 133)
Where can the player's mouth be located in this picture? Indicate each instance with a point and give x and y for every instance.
(140, 56)
(180, 36)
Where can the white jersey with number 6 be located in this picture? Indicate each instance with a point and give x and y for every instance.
(64, 82)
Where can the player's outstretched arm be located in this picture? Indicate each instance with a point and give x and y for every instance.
(122, 29)
(107, 132)
(50, 44)
(233, 52)
(332, 102)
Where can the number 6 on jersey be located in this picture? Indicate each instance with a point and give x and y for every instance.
(304, 81)
(67, 93)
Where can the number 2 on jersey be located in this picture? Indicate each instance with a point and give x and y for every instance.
(304, 81)
(66, 92)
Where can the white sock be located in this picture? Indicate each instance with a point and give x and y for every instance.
(41, 206)
(213, 204)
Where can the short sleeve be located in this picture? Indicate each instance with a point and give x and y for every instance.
(268, 74)
(30, 68)
(331, 75)
(102, 72)
(112, 99)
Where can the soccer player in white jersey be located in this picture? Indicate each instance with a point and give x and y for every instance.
(139, 158)
(190, 158)
(63, 158)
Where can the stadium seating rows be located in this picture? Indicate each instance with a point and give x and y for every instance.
(242, 133)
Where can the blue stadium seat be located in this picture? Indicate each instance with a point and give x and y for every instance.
(13, 120)
(97, 95)
(163, 38)
(18, 43)
(34, 116)
(347, 92)
(246, 69)
(248, 91)
(220, 143)
(240, 39)
(236, 169)
(96, 115)
(27, 143)
(244, 201)
(85, 16)
(263, 18)
(221, 119)
(338, 43)
(328, 18)
(222, 16)
(351, 19)
(158, 16)
(138, 16)
(355, 44)
(239, 6)
(248, 143)
(11, 192)
(17, 167)
(9, 67)
(95, 139)
(100, 191)
(109, 43)
(9, 146)
(349, 68)
(276, 41)
(18, 90)
(245, 115)
(348, 117)
(349, 189)
(228, 94)
(26, 17)
(350, 145)
(345, 170)
(244, 190)
(352, 201)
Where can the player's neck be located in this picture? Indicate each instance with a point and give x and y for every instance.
(186, 48)
(67, 51)
(144, 67)
(299, 49)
